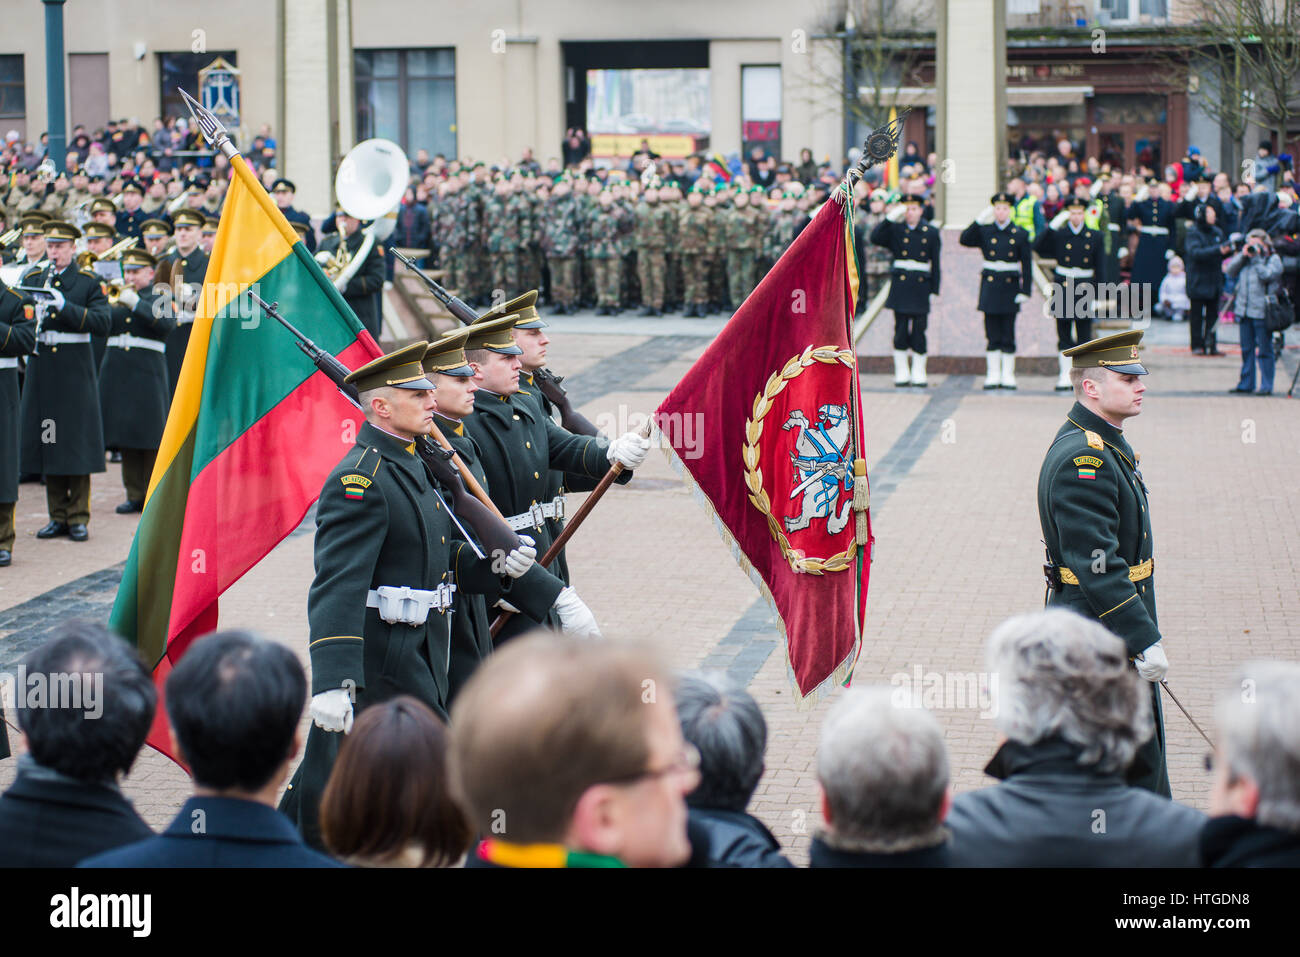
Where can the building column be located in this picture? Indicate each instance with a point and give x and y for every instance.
(971, 105)
(317, 57)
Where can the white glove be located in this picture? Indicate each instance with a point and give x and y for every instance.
(332, 710)
(1169, 254)
(985, 217)
(56, 302)
(323, 256)
(522, 558)
(1152, 664)
(128, 298)
(629, 449)
(1121, 252)
(1021, 297)
(575, 617)
(506, 606)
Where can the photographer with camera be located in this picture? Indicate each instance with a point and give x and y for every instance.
(1206, 250)
(1257, 269)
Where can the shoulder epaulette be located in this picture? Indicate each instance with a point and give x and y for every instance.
(1094, 440)
(369, 461)
(87, 272)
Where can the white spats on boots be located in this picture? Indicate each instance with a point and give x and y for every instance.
(993, 378)
(900, 368)
(1008, 370)
(918, 370)
(1063, 380)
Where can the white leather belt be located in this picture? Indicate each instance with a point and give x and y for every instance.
(1001, 267)
(409, 606)
(9, 363)
(61, 338)
(1114, 226)
(1155, 230)
(128, 341)
(913, 264)
(537, 513)
(1074, 272)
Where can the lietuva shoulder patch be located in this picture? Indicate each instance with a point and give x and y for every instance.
(1094, 440)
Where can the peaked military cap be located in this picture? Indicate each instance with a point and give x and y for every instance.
(401, 370)
(1119, 353)
(524, 307)
(1076, 202)
(33, 225)
(210, 224)
(102, 205)
(138, 258)
(301, 227)
(56, 231)
(94, 230)
(912, 198)
(188, 217)
(152, 228)
(1003, 197)
(283, 183)
(447, 355)
(131, 186)
(494, 335)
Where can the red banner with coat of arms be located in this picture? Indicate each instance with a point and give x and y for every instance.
(776, 450)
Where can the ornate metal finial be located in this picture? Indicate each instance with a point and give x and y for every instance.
(880, 145)
(208, 124)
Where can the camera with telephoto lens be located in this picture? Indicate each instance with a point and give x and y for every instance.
(1235, 242)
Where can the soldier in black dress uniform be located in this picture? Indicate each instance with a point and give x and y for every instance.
(362, 288)
(132, 215)
(390, 568)
(1153, 217)
(913, 279)
(183, 271)
(133, 378)
(17, 337)
(282, 191)
(1005, 282)
(1078, 254)
(63, 437)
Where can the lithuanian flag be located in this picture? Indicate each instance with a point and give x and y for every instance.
(253, 431)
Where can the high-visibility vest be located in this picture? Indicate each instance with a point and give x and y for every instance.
(1023, 215)
(1092, 218)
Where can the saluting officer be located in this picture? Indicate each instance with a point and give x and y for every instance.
(520, 444)
(1092, 506)
(535, 593)
(133, 377)
(914, 278)
(63, 437)
(361, 289)
(183, 271)
(1078, 252)
(1005, 282)
(17, 337)
(389, 565)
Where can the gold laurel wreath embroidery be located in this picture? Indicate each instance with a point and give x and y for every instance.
(754, 475)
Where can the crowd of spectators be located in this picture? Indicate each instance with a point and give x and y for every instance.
(568, 753)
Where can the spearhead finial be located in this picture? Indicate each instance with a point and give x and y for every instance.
(213, 131)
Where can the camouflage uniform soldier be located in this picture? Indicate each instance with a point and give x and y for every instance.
(743, 228)
(717, 255)
(670, 197)
(693, 242)
(786, 223)
(630, 283)
(480, 265)
(653, 222)
(535, 194)
(605, 228)
(465, 225)
(504, 238)
(584, 195)
(561, 229)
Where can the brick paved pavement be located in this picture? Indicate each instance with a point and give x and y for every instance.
(954, 472)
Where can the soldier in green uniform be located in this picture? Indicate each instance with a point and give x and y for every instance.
(183, 271)
(538, 591)
(133, 377)
(17, 337)
(63, 437)
(389, 567)
(520, 444)
(718, 203)
(1092, 504)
